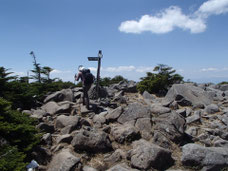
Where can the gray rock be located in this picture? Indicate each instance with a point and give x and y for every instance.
(219, 142)
(114, 114)
(77, 89)
(126, 86)
(133, 112)
(91, 141)
(211, 109)
(208, 158)
(182, 112)
(188, 95)
(194, 118)
(174, 105)
(188, 111)
(50, 107)
(77, 95)
(161, 140)
(148, 96)
(47, 139)
(115, 157)
(159, 109)
(67, 138)
(226, 93)
(99, 119)
(224, 119)
(64, 161)
(121, 167)
(118, 94)
(46, 127)
(65, 108)
(92, 93)
(144, 125)
(63, 121)
(42, 155)
(125, 132)
(145, 155)
(84, 110)
(172, 125)
(63, 95)
(39, 114)
(193, 131)
(29, 112)
(120, 98)
(88, 168)
(223, 87)
(68, 129)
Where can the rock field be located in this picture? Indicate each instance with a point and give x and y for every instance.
(124, 130)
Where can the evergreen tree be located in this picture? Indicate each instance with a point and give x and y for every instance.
(46, 71)
(37, 69)
(18, 137)
(159, 82)
(4, 79)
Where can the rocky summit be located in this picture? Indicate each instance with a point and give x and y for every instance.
(124, 130)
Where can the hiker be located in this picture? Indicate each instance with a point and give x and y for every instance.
(87, 79)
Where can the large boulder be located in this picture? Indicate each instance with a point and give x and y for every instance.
(114, 114)
(63, 95)
(50, 107)
(64, 120)
(146, 155)
(46, 127)
(38, 114)
(212, 108)
(223, 87)
(133, 112)
(144, 125)
(208, 158)
(126, 86)
(125, 132)
(64, 161)
(172, 125)
(92, 93)
(195, 117)
(188, 95)
(91, 140)
(64, 108)
(159, 109)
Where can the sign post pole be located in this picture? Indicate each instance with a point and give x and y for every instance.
(98, 69)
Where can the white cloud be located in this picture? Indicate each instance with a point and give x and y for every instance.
(225, 69)
(180, 70)
(164, 22)
(170, 18)
(209, 69)
(56, 71)
(214, 7)
(93, 69)
(20, 74)
(119, 69)
(144, 69)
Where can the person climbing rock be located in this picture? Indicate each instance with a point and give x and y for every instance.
(87, 79)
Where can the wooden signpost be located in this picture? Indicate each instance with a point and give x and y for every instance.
(98, 68)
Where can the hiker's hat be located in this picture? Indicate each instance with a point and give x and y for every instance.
(81, 68)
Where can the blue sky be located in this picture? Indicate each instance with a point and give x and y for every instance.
(134, 36)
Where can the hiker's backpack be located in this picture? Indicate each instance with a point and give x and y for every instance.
(88, 77)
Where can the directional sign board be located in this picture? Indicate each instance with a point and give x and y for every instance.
(93, 58)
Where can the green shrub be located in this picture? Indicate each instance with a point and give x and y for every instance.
(20, 136)
(11, 159)
(224, 82)
(159, 82)
(107, 81)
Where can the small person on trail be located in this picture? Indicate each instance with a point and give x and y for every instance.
(87, 79)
